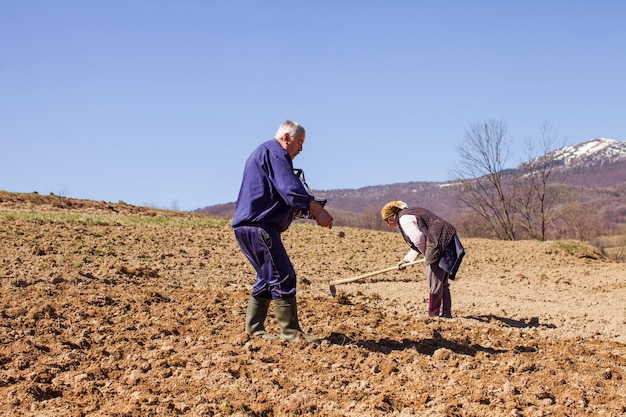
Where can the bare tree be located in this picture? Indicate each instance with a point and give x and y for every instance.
(481, 173)
(535, 198)
(579, 221)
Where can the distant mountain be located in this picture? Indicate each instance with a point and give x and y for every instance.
(597, 167)
(599, 162)
(596, 152)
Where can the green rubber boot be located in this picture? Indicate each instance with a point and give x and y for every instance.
(255, 317)
(287, 317)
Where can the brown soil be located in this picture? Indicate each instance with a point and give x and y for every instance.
(114, 310)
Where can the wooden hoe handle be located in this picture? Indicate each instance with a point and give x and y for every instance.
(369, 274)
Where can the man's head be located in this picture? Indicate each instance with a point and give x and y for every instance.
(291, 134)
(390, 210)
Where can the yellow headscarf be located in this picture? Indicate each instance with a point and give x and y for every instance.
(392, 208)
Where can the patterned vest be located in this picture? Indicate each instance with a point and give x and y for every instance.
(439, 233)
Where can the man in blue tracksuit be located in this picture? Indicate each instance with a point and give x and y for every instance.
(270, 194)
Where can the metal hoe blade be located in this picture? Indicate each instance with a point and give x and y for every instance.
(333, 290)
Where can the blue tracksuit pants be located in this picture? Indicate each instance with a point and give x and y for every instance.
(275, 275)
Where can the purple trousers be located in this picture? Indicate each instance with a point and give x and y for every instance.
(439, 301)
(264, 249)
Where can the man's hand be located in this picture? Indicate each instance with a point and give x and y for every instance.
(401, 264)
(322, 217)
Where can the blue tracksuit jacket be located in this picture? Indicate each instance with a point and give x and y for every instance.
(270, 191)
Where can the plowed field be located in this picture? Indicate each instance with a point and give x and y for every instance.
(114, 310)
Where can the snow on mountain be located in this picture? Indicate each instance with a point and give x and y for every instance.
(593, 152)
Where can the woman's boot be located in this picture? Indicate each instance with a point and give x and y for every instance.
(434, 305)
(447, 303)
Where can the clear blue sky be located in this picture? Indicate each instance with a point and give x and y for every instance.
(159, 103)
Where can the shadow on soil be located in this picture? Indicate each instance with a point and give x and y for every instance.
(518, 324)
(424, 346)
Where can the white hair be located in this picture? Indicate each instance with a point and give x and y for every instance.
(289, 126)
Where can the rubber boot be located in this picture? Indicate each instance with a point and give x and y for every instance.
(287, 317)
(447, 303)
(434, 305)
(255, 317)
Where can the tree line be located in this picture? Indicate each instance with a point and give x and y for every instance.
(530, 202)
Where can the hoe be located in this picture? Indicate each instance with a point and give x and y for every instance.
(333, 290)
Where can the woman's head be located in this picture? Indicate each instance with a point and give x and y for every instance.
(391, 209)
